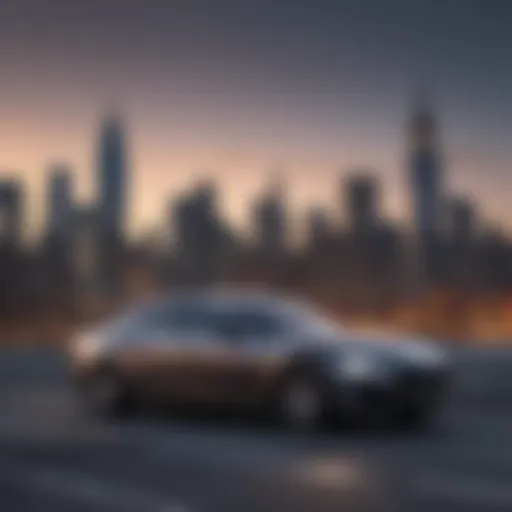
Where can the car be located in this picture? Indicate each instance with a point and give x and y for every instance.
(257, 350)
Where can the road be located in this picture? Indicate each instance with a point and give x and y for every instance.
(54, 458)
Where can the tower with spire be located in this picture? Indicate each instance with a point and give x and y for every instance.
(425, 171)
(425, 178)
(112, 184)
(112, 177)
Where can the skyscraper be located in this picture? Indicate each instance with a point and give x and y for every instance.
(10, 212)
(112, 179)
(425, 177)
(319, 229)
(462, 220)
(425, 172)
(85, 255)
(58, 240)
(60, 203)
(11, 230)
(197, 228)
(362, 195)
(270, 222)
(462, 243)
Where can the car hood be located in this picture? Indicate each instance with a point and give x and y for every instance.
(385, 346)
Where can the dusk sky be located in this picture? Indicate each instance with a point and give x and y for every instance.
(234, 89)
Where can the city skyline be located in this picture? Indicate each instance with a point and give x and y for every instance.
(114, 127)
(233, 92)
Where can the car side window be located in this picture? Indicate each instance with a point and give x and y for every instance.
(249, 325)
(179, 318)
(189, 319)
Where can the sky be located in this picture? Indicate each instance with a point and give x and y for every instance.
(233, 90)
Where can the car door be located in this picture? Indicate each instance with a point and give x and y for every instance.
(167, 349)
(252, 356)
(186, 355)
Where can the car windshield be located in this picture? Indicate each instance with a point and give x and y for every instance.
(246, 319)
(312, 321)
(146, 314)
(250, 322)
(283, 317)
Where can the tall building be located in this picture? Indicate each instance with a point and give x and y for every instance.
(11, 212)
(461, 220)
(197, 228)
(11, 258)
(85, 251)
(58, 239)
(112, 167)
(427, 257)
(60, 203)
(319, 229)
(270, 222)
(425, 172)
(113, 182)
(362, 196)
(461, 242)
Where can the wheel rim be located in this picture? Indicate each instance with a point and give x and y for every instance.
(301, 405)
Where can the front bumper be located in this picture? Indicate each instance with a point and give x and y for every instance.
(80, 370)
(407, 390)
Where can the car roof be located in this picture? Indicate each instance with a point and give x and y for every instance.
(235, 298)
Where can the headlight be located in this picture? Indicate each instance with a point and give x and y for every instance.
(86, 347)
(426, 354)
(360, 366)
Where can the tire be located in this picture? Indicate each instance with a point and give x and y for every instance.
(105, 394)
(415, 419)
(301, 404)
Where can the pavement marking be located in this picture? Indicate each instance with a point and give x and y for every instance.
(337, 474)
(267, 461)
(464, 489)
(92, 491)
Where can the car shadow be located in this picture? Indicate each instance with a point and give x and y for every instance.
(340, 430)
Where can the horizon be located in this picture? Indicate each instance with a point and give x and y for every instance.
(394, 202)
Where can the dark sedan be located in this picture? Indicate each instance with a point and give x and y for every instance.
(256, 350)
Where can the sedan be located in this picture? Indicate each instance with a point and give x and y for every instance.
(259, 351)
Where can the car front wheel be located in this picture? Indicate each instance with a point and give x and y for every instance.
(415, 418)
(301, 404)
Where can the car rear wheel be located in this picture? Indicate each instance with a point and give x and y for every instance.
(301, 407)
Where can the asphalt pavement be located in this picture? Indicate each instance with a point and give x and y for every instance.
(54, 458)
